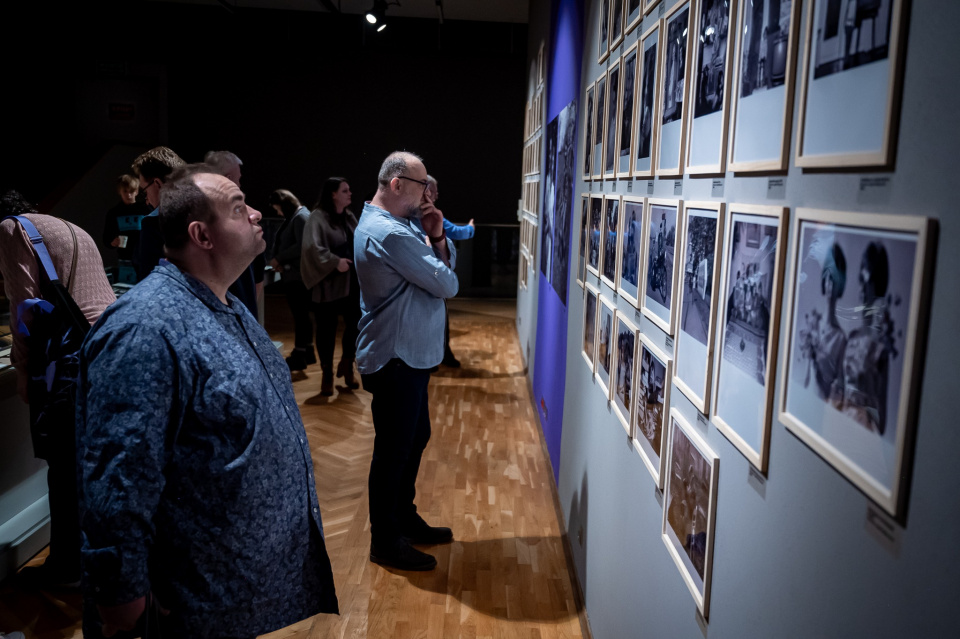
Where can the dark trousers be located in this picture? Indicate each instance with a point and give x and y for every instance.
(401, 421)
(447, 353)
(64, 511)
(328, 316)
(298, 298)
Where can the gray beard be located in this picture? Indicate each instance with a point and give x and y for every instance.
(414, 213)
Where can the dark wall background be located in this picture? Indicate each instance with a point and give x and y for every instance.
(298, 96)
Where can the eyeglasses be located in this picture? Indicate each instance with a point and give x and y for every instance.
(423, 182)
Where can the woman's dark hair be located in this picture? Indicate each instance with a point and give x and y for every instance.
(876, 262)
(834, 267)
(325, 201)
(288, 202)
(13, 203)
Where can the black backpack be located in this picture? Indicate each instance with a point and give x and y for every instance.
(56, 333)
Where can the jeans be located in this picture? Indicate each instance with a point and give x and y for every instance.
(328, 316)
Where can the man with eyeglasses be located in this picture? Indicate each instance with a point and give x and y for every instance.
(152, 169)
(405, 267)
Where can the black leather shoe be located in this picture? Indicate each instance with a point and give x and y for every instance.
(403, 556)
(420, 532)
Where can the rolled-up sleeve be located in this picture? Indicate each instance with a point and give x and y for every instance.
(126, 399)
(420, 265)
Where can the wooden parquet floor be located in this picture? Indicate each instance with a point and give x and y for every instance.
(484, 474)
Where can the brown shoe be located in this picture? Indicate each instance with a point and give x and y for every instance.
(326, 384)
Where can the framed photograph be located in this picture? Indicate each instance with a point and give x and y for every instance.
(856, 335)
(611, 129)
(850, 84)
(690, 511)
(700, 270)
(648, 5)
(761, 107)
(749, 323)
(588, 133)
(628, 81)
(654, 372)
(603, 33)
(648, 104)
(616, 23)
(608, 261)
(598, 122)
(582, 259)
(674, 78)
(634, 14)
(631, 243)
(710, 90)
(623, 371)
(605, 325)
(589, 348)
(662, 223)
(595, 237)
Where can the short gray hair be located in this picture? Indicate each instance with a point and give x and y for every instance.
(395, 165)
(222, 161)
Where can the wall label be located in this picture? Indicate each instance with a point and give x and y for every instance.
(649, 187)
(883, 529)
(701, 419)
(669, 342)
(662, 9)
(678, 187)
(717, 188)
(777, 188)
(629, 187)
(874, 190)
(658, 495)
(756, 479)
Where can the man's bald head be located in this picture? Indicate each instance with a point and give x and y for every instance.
(398, 163)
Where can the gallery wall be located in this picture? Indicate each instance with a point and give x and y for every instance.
(798, 550)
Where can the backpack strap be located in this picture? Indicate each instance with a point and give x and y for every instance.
(39, 248)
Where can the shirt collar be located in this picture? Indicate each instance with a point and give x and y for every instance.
(201, 290)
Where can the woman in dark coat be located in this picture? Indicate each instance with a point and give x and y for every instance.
(286, 260)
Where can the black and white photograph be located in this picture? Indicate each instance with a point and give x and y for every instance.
(857, 284)
(634, 14)
(750, 302)
(623, 371)
(613, 101)
(653, 401)
(661, 252)
(604, 31)
(851, 33)
(565, 181)
(763, 59)
(588, 135)
(595, 239)
(599, 120)
(713, 28)
(628, 82)
(611, 225)
(549, 194)
(674, 74)
(582, 255)
(702, 234)
(616, 22)
(647, 107)
(590, 326)
(689, 511)
(631, 240)
(605, 345)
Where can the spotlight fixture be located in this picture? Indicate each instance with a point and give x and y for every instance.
(377, 13)
(381, 27)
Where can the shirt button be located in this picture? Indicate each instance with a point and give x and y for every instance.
(301, 440)
(314, 510)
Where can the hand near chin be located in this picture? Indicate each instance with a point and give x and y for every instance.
(431, 220)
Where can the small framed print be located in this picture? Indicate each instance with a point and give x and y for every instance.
(628, 81)
(850, 84)
(631, 245)
(623, 371)
(582, 255)
(648, 5)
(603, 31)
(700, 273)
(654, 372)
(598, 122)
(749, 323)
(611, 219)
(616, 23)
(611, 129)
(634, 14)
(605, 325)
(761, 107)
(674, 79)
(589, 347)
(648, 104)
(710, 87)
(856, 334)
(588, 133)
(690, 511)
(662, 223)
(595, 236)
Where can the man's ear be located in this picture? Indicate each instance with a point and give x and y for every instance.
(395, 185)
(199, 234)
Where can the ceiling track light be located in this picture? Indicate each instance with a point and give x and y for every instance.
(377, 13)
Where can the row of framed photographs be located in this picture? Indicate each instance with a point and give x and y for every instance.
(531, 197)
(665, 106)
(635, 375)
(712, 275)
(531, 156)
(617, 19)
(528, 234)
(533, 120)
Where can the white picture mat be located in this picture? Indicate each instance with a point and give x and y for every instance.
(605, 322)
(754, 143)
(847, 112)
(650, 40)
(631, 252)
(706, 138)
(623, 387)
(589, 333)
(649, 453)
(671, 135)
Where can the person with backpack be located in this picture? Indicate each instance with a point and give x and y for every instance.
(38, 341)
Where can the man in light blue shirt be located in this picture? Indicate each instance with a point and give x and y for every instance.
(405, 270)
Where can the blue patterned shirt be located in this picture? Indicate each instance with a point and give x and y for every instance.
(196, 476)
(403, 283)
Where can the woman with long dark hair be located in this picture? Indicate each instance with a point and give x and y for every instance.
(327, 268)
(286, 260)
